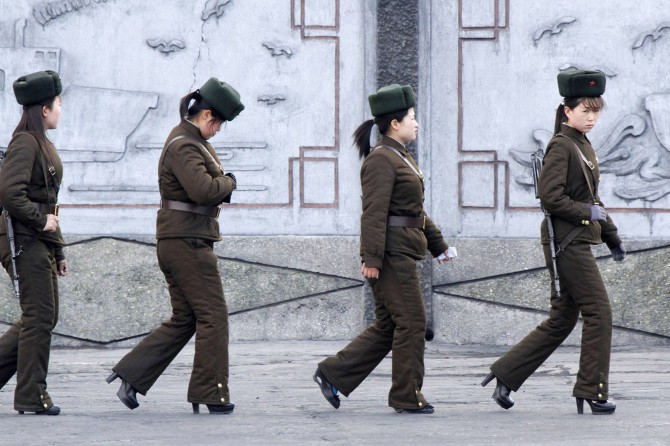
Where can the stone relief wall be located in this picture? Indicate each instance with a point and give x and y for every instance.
(497, 61)
(125, 64)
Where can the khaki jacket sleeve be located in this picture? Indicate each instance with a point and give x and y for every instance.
(15, 179)
(552, 183)
(436, 243)
(203, 188)
(377, 181)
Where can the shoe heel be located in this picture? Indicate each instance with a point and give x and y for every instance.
(196, 408)
(21, 412)
(488, 379)
(112, 377)
(580, 406)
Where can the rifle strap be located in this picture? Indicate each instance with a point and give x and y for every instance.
(583, 165)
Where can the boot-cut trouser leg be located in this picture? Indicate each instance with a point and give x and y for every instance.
(142, 366)
(190, 269)
(582, 289)
(25, 348)
(521, 361)
(400, 325)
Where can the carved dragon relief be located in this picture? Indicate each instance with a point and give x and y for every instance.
(278, 50)
(641, 159)
(553, 29)
(166, 47)
(47, 11)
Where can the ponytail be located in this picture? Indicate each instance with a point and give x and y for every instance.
(362, 138)
(561, 117)
(188, 112)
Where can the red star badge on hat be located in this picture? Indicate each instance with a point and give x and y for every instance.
(592, 83)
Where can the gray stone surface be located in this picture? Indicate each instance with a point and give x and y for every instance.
(278, 403)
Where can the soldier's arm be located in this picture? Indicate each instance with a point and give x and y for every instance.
(14, 180)
(552, 181)
(377, 180)
(436, 243)
(188, 165)
(608, 230)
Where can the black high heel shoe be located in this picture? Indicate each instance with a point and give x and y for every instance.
(501, 393)
(126, 393)
(327, 389)
(598, 407)
(219, 409)
(53, 410)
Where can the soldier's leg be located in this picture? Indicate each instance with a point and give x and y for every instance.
(142, 366)
(521, 361)
(204, 291)
(588, 291)
(402, 296)
(351, 365)
(9, 341)
(35, 265)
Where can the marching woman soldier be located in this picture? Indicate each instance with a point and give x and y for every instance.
(395, 232)
(29, 183)
(192, 186)
(568, 189)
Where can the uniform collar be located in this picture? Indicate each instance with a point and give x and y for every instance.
(574, 133)
(191, 129)
(388, 141)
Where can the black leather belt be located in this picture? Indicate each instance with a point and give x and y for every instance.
(210, 211)
(44, 208)
(408, 222)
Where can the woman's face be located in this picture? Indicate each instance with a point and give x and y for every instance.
(581, 118)
(408, 128)
(208, 125)
(51, 116)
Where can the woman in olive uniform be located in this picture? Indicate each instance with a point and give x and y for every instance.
(192, 186)
(395, 232)
(29, 182)
(568, 189)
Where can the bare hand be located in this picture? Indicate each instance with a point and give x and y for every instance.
(369, 273)
(443, 258)
(62, 268)
(52, 223)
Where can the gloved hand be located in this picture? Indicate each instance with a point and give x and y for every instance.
(618, 253)
(598, 213)
(230, 195)
(232, 176)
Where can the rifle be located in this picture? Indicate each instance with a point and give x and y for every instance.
(10, 237)
(536, 159)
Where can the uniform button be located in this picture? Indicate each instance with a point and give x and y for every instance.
(600, 395)
(41, 397)
(601, 385)
(416, 391)
(220, 386)
(45, 405)
(420, 404)
(223, 400)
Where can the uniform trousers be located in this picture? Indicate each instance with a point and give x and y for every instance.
(400, 326)
(198, 306)
(25, 347)
(582, 291)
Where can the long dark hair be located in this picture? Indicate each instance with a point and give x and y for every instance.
(199, 105)
(362, 133)
(32, 122)
(592, 103)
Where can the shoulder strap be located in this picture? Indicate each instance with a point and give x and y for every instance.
(416, 170)
(583, 165)
(47, 166)
(202, 148)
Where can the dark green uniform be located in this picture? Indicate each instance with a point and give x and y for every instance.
(25, 346)
(565, 193)
(390, 187)
(186, 257)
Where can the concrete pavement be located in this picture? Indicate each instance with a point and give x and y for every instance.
(278, 403)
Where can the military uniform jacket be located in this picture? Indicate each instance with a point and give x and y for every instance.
(565, 193)
(22, 183)
(391, 187)
(190, 175)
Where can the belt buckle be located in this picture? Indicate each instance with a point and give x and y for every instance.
(56, 210)
(423, 226)
(218, 211)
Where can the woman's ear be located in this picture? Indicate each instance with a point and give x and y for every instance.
(45, 111)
